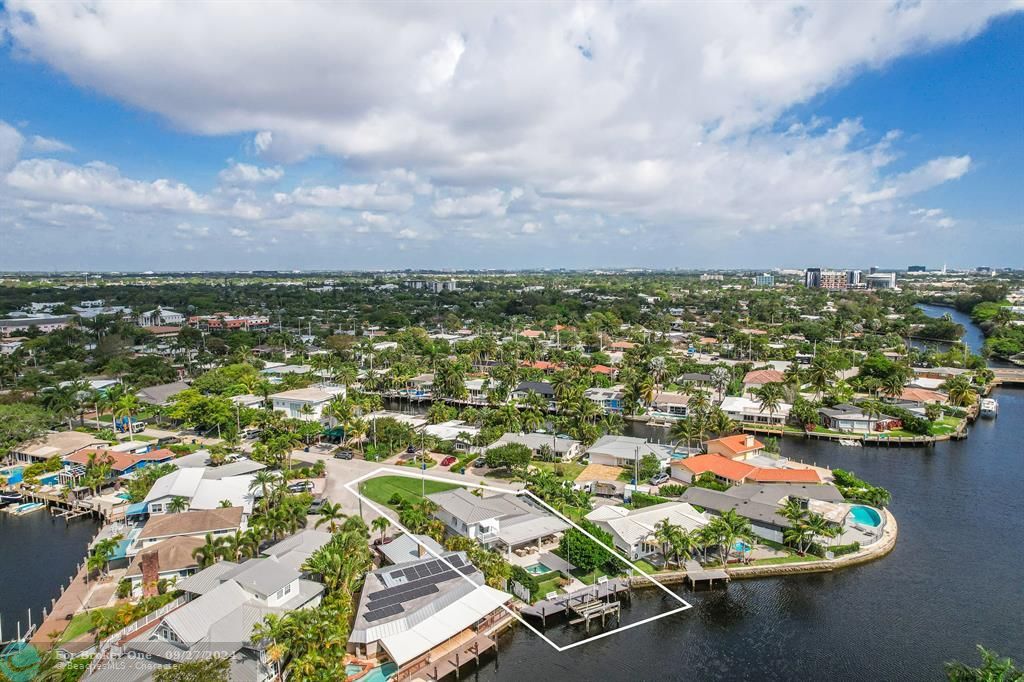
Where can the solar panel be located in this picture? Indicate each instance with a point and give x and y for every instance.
(372, 616)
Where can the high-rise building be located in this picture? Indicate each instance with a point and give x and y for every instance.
(764, 280)
(833, 280)
(853, 278)
(917, 268)
(812, 278)
(881, 280)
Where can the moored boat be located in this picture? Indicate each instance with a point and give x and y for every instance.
(26, 508)
(989, 407)
(10, 497)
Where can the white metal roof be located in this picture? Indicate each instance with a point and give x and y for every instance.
(406, 645)
(180, 483)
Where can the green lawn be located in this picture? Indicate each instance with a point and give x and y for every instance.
(81, 624)
(549, 585)
(567, 470)
(589, 578)
(645, 566)
(792, 559)
(382, 488)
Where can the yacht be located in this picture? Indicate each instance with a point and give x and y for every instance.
(989, 407)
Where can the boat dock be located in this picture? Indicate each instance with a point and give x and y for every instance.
(1007, 376)
(599, 600)
(696, 574)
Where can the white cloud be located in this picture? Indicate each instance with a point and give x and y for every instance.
(370, 196)
(100, 184)
(48, 145)
(239, 233)
(531, 228)
(493, 202)
(11, 142)
(247, 174)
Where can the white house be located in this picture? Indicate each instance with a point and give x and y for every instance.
(744, 409)
(458, 432)
(201, 490)
(307, 403)
(633, 529)
(561, 448)
(503, 521)
(623, 451)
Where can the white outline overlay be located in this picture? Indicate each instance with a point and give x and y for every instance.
(466, 484)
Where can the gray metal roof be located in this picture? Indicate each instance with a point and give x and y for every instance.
(405, 549)
(469, 508)
(719, 502)
(264, 576)
(535, 441)
(774, 493)
(208, 578)
(192, 621)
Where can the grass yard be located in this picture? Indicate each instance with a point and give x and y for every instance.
(82, 624)
(645, 566)
(792, 559)
(589, 578)
(566, 470)
(549, 585)
(383, 488)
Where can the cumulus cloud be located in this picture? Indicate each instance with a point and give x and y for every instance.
(661, 119)
(247, 174)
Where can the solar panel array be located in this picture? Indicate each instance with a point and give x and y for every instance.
(421, 580)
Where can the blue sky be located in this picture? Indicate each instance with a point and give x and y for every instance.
(378, 136)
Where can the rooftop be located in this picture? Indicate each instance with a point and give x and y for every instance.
(192, 522)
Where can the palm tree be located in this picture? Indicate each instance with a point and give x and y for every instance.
(731, 527)
(126, 407)
(211, 552)
(821, 374)
(330, 514)
(263, 480)
(665, 532)
(381, 525)
(872, 409)
(177, 504)
(960, 391)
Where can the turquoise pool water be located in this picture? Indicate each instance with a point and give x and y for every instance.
(376, 675)
(352, 669)
(537, 569)
(13, 474)
(741, 546)
(125, 496)
(866, 516)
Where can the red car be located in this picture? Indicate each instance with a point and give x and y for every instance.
(449, 460)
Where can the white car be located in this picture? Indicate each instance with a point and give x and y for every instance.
(658, 479)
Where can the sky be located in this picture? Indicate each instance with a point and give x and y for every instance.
(221, 136)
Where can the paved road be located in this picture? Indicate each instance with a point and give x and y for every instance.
(340, 472)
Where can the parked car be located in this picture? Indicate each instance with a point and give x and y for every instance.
(343, 453)
(479, 463)
(300, 486)
(317, 505)
(411, 450)
(449, 460)
(167, 440)
(659, 478)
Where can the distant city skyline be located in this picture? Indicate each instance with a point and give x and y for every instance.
(510, 136)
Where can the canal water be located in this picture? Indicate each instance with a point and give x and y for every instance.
(38, 555)
(973, 336)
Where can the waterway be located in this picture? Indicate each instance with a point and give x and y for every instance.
(38, 555)
(973, 336)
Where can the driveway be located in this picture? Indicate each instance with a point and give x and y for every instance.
(340, 472)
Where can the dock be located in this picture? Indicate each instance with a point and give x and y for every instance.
(1007, 376)
(599, 600)
(697, 574)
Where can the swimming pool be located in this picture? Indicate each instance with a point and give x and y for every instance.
(379, 674)
(741, 546)
(865, 516)
(538, 569)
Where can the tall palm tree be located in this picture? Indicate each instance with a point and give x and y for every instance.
(730, 527)
(330, 514)
(381, 525)
(263, 481)
(211, 552)
(177, 504)
(125, 408)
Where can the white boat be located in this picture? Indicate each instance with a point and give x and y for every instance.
(989, 407)
(27, 508)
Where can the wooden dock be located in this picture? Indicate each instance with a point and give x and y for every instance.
(1008, 376)
(597, 600)
(697, 574)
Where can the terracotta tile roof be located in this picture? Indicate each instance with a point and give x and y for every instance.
(192, 522)
(531, 333)
(623, 345)
(564, 328)
(720, 466)
(541, 364)
(923, 395)
(602, 369)
(736, 444)
(785, 476)
(764, 376)
(707, 340)
(119, 461)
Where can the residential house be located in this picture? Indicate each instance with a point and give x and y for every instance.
(202, 491)
(307, 403)
(625, 451)
(633, 529)
(541, 388)
(216, 522)
(760, 504)
(426, 614)
(757, 378)
(294, 550)
(504, 522)
(420, 386)
(476, 391)
(461, 434)
(122, 464)
(54, 444)
(669, 405)
(609, 399)
(174, 559)
(222, 604)
(851, 419)
(739, 446)
(747, 410)
(735, 472)
(564, 449)
(161, 394)
(44, 323)
(406, 549)
(604, 370)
